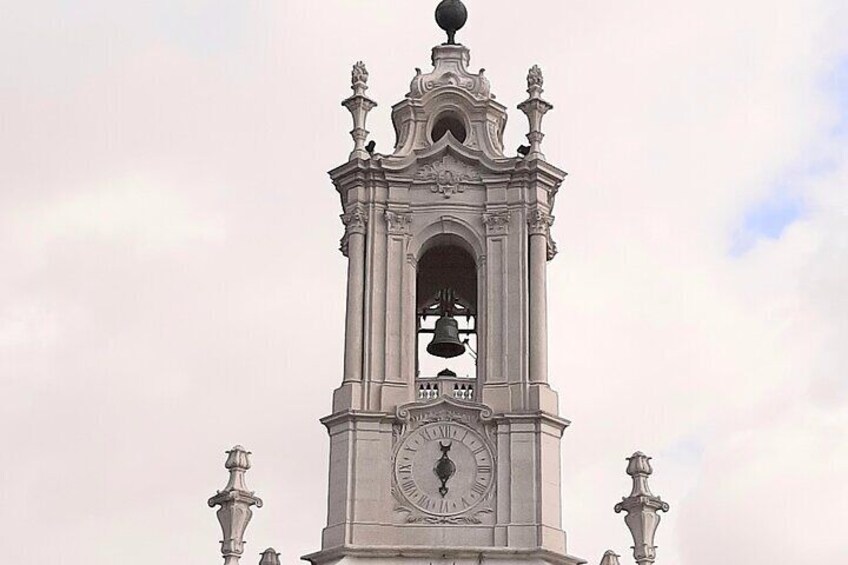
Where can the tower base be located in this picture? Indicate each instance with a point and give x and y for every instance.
(411, 555)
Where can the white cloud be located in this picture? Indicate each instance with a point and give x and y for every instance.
(132, 308)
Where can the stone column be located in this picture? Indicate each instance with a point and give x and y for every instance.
(235, 501)
(353, 246)
(539, 224)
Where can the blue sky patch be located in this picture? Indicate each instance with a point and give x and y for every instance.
(766, 219)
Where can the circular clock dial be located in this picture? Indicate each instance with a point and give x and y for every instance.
(444, 468)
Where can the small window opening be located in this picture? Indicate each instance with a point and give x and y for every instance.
(448, 123)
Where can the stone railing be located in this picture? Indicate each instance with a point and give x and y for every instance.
(445, 383)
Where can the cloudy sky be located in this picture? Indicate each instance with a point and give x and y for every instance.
(170, 283)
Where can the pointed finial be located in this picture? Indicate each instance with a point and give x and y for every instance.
(642, 507)
(535, 81)
(235, 501)
(269, 557)
(535, 108)
(451, 15)
(610, 558)
(359, 78)
(358, 104)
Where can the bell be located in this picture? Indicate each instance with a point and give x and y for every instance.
(446, 341)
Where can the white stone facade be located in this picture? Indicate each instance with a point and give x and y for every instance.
(454, 189)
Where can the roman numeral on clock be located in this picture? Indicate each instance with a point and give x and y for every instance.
(408, 486)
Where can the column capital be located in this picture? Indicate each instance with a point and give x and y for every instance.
(496, 222)
(539, 222)
(398, 222)
(355, 222)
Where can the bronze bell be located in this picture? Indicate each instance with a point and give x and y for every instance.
(446, 341)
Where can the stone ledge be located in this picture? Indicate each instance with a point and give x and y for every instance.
(477, 555)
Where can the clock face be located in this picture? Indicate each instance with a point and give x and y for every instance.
(444, 468)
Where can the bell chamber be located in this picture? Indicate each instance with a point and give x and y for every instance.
(446, 290)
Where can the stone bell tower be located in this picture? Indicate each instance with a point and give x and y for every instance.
(447, 240)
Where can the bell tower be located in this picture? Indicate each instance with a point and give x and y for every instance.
(444, 433)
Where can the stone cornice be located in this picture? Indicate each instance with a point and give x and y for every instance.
(477, 553)
(348, 416)
(539, 416)
(448, 145)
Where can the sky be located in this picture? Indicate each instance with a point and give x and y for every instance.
(170, 281)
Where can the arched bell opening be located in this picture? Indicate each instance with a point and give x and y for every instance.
(446, 321)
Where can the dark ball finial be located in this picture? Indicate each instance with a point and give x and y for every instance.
(451, 16)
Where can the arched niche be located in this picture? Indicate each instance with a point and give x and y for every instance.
(446, 264)
(448, 229)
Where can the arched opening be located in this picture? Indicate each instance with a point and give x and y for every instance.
(448, 122)
(446, 318)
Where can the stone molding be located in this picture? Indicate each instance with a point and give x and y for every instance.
(409, 553)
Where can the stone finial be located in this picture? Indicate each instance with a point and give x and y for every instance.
(642, 507)
(235, 501)
(359, 105)
(359, 78)
(535, 81)
(269, 557)
(610, 558)
(451, 15)
(534, 108)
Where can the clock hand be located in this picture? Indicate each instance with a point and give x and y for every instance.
(445, 468)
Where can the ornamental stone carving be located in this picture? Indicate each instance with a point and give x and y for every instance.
(235, 501)
(535, 108)
(398, 222)
(470, 429)
(355, 222)
(552, 247)
(450, 64)
(447, 175)
(642, 507)
(539, 222)
(496, 222)
(534, 77)
(359, 78)
(358, 104)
